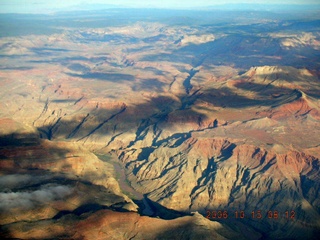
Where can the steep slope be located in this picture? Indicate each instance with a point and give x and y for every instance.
(41, 179)
(205, 173)
(106, 224)
(297, 104)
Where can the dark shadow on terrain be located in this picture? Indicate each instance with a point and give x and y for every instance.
(274, 92)
(235, 48)
(78, 67)
(42, 177)
(114, 38)
(263, 90)
(172, 57)
(16, 68)
(112, 77)
(18, 140)
(310, 187)
(149, 85)
(147, 116)
(26, 152)
(14, 56)
(89, 208)
(13, 149)
(46, 177)
(67, 60)
(187, 82)
(302, 25)
(159, 210)
(241, 49)
(36, 160)
(224, 97)
(98, 118)
(154, 39)
(48, 51)
(155, 70)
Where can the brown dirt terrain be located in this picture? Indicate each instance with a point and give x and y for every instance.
(191, 134)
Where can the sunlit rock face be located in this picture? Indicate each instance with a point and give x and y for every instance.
(209, 128)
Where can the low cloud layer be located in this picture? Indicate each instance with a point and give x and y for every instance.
(31, 199)
(15, 180)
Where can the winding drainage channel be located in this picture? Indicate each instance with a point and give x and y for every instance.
(126, 187)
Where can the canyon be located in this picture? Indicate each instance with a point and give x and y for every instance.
(162, 129)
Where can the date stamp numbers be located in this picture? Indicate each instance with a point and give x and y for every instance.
(257, 214)
(216, 214)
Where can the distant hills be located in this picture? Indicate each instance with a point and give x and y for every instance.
(45, 8)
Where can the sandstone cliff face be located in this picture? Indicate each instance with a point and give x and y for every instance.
(218, 174)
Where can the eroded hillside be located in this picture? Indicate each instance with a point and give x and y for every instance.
(181, 112)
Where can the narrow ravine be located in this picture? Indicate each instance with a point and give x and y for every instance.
(187, 82)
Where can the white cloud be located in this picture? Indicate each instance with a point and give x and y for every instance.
(28, 200)
(14, 180)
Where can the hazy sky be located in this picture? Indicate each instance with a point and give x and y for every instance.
(47, 5)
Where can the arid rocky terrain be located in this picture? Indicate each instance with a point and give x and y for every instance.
(122, 125)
